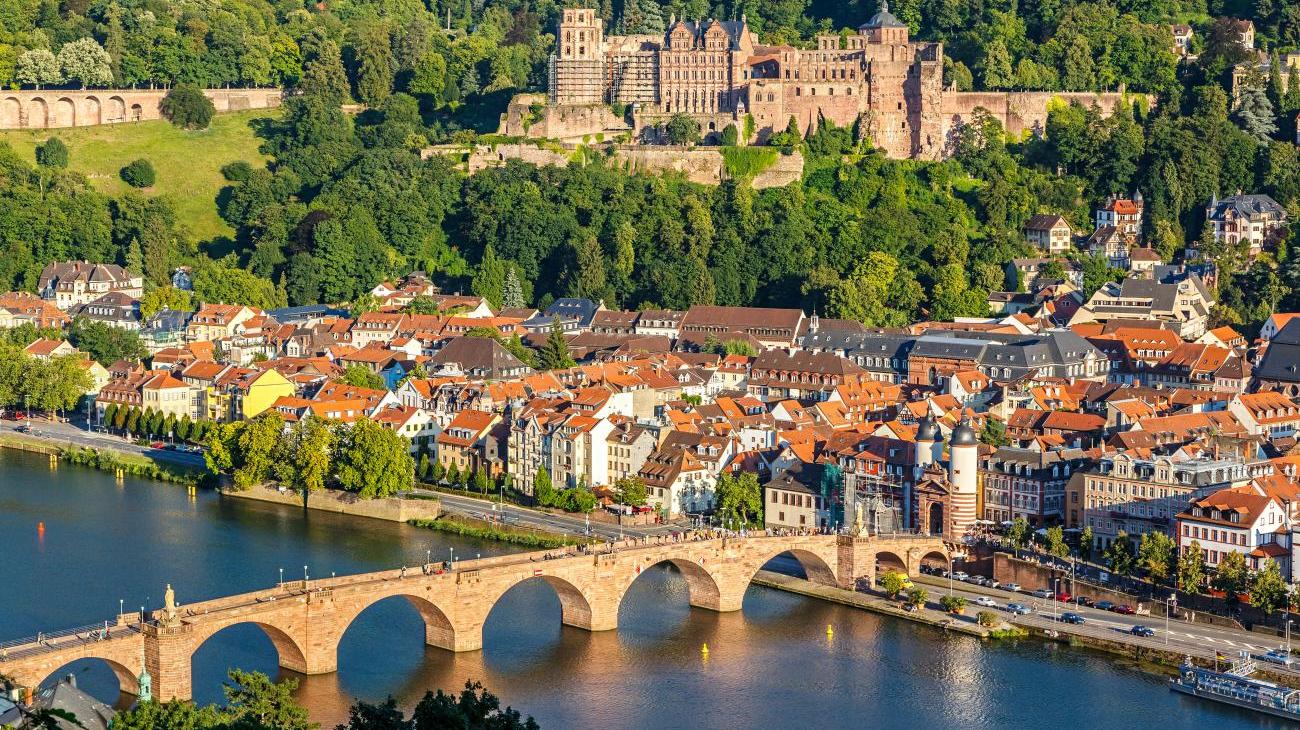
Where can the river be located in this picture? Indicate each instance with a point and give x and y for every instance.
(771, 665)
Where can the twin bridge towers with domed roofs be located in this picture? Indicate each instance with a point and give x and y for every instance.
(306, 619)
(718, 72)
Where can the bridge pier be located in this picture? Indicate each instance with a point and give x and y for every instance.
(167, 652)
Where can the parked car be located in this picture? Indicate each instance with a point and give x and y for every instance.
(991, 583)
(959, 575)
(1071, 618)
(1064, 597)
(1084, 601)
(1019, 608)
(1278, 656)
(157, 445)
(1105, 605)
(24, 428)
(1042, 593)
(986, 602)
(1013, 587)
(1125, 609)
(1146, 631)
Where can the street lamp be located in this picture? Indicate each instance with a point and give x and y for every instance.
(1055, 591)
(451, 551)
(428, 557)
(1171, 605)
(282, 577)
(304, 576)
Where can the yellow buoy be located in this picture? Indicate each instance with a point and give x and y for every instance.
(705, 649)
(829, 631)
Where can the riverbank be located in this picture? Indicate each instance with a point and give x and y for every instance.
(392, 509)
(120, 463)
(961, 624)
(483, 530)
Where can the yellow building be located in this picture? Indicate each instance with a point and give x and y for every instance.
(257, 391)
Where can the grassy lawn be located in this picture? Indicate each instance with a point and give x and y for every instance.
(188, 163)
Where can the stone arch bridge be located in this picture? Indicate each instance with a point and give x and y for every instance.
(53, 108)
(306, 620)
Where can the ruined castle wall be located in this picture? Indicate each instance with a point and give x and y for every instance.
(704, 166)
(1020, 112)
(568, 123)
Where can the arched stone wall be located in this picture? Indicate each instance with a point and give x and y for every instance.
(64, 113)
(94, 112)
(11, 113)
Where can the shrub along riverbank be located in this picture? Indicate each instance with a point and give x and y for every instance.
(467, 527)
(135, 465)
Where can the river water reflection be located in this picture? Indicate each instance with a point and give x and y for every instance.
(771, 665)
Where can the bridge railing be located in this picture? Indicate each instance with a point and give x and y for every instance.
(53, 640)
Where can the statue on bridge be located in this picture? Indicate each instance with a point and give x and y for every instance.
(169, 606)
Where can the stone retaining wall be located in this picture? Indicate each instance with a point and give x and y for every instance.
(392, 509)
(56, 108)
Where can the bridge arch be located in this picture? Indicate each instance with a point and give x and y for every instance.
(439, 631)
(816, 568)
(290, 653)
(576, 607)
(887, 560)
(127, 682)
(936, 558)
(703, 588)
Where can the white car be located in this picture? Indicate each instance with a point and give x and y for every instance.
(986, 602)
(1042, 593)
(1013, 587)
(959, 575)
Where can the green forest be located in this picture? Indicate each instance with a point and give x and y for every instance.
(346, 201)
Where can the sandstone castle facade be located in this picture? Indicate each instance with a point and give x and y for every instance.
(718, 72)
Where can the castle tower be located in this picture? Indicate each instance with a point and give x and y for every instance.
(578, 65)
(963, 480)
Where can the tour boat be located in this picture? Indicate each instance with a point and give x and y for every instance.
(1236, 687)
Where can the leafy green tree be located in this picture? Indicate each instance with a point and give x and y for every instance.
(481, 481)
(1191, 568)
(1268, 589)
(738, 499)
(303, 456)
(437, 472)
(104, 342)
(1157, 554)
(1119, 555)
(490, 279)
(729, 136)
(429, 77)
(373, 461)
(631, 491)
(257, 703)
(86, 62)
(994, 433)
(1056, 542)
(373, 64)
(1019, 533)
(543, 489)
(52, 153)
(1231, 576)
(38, 67)
(682, 129)
(453, 475)
(256, 443)
(139, 174)
(474, 709)
(164, 297)
(187, 107)
(360, 376)
(422, 467)
(512, 292)
(892, 583)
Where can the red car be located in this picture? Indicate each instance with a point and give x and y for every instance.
(1064, 597)
(157, 445)
(1125, 609)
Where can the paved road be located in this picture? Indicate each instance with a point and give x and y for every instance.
(1184, 636)
(60, 434)
(524, 517)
